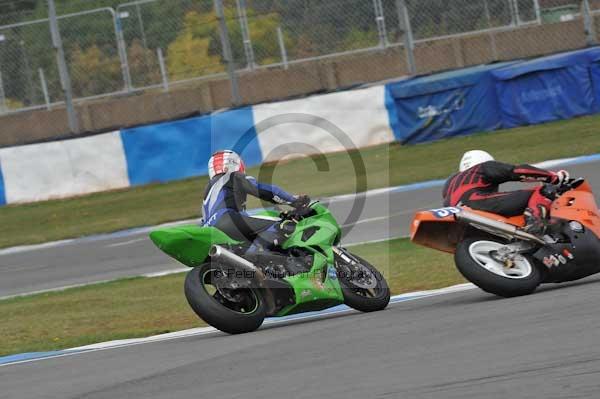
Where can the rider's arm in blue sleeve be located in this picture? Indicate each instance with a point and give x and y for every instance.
(263, 191)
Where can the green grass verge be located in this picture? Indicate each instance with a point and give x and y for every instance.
(386, 165)
(147, 306)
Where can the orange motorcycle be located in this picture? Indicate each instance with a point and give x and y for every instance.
(497, 255)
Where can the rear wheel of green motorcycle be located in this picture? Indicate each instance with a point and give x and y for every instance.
(363, 286)
(244, 314)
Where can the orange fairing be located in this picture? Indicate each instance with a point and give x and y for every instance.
(580, 205)
(438, 230)
(431, 231)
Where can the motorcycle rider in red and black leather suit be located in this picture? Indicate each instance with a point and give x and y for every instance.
(477, 183)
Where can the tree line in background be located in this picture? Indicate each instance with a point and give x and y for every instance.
(187, 33)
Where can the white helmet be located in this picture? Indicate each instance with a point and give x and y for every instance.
(223, 162)
(472, 158)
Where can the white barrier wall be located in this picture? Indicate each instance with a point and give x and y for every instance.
(64, 168)
(298, 127)
(316, 124)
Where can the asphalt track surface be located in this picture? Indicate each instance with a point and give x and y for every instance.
(386, 214)
(467, 344)
(464, 345)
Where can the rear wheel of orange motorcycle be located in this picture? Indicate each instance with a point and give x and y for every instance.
(475, 262)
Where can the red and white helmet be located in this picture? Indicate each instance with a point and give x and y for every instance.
(223, 162)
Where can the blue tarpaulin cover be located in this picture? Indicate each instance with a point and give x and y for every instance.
(546, 89)
(448, 104)
(181, 149)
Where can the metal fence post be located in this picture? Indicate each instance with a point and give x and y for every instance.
(511, 9)
(284, 57)
(380, 20)
(538, 11)
(163, 69)
(65, 79)
(588, 22)
(227, 53)
(121, 46)
(248, 49)
(44, 85)
(406, 29)
(516, 14)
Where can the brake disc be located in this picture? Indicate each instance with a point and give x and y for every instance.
(226, 286)
(366, 279)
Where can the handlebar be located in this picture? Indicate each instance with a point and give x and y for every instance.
(571, 184)
(298, 212)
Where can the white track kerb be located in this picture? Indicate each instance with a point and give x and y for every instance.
(196, 332)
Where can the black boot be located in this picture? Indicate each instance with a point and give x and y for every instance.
(534, 224)
(273, 238)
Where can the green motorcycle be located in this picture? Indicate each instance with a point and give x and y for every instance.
(234, 291)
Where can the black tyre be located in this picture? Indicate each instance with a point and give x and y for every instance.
(474, 262)
(245, 313)
(363, 286)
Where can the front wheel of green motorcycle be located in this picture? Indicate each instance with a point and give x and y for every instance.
(364, 287)
(234, 311)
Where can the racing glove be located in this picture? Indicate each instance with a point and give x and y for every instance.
(301, 201)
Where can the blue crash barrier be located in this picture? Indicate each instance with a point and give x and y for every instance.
(444, 105)
(421, 109)
(546, 89)
(181, 149)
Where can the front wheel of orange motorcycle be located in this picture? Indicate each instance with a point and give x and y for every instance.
(476, 260)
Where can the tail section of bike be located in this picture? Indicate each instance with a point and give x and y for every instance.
(441, 228)
(436, 229)
(189, 244)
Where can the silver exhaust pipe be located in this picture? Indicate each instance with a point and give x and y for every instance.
(235, 261)
(221, 254)
(495, 226)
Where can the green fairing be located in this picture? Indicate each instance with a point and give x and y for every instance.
(309, 287)
(189, 244)
(312, 293)
(325, 237)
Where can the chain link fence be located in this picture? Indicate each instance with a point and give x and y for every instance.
(475, 32)
(27, 58)
(260, 50)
